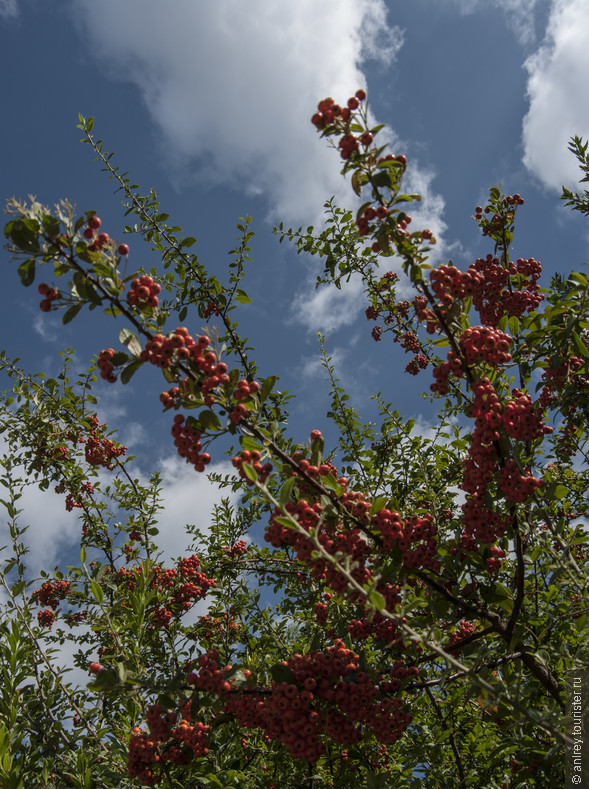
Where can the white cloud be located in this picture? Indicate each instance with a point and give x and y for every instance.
(9, 9)
(231, 86)
(329, 309)
(188, 498)
(558, 74)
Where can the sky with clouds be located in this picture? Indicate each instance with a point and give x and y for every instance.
(210, 104)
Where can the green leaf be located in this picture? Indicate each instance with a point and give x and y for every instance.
(71, 313)
(249, 443)
(97, 591)
(377, 600)
(281, 674)
(242, 297)
(358, 181)
(582, 349)
(25, 234)
(560, 492)
(210, 421)
(267, 386)
(378, 505)
(250, 472)
(26, 272)
(129, 338)
(129, 371)
(83, 554)
(286, 490)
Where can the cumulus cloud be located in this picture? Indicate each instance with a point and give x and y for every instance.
(231, 86)
(329, 309)
(187, 498)
(558, 74)
(9, 9)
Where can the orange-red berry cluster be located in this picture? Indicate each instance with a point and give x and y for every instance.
(144, 293)
(106, 366)
(237, 550)
(522, 418)
(187, 441)
(51, 592)
(46, 618)
(216, 629)
(253, 458)
(515, 485)
(465, 630)
(496, 290)
(100, 451)
(49, 294)
(295, 713)
(169, 740)
(184, 585)
(329, 113)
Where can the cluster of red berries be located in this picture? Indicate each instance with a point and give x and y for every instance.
(253, 458)
(211, 677)
(237, 550)
(465, 630)
(478, 344)
(482, 464)
(169, 740)
(106, 366)
(485, 344)
(494, 561)
(212, 308)
(186, 583)
(330, 113)
(144, 293)
(381, 629)
(294, 712)
(46, 618)
(100, 451)
(51, 592)
(369, 215)
(187, 441)
(491, 288)
(49, 294)
(74, 500)
(493, 297)
(515, 199)
(216, 629)
(177, 347)
(415, 537)
(517, 486)
(522, 418)
(99, 241)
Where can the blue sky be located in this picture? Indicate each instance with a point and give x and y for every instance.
(209, 103)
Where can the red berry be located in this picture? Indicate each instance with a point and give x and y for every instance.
(94, 668)
(123, 249)
(88, 233)
(360, 94)
(94, 223)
